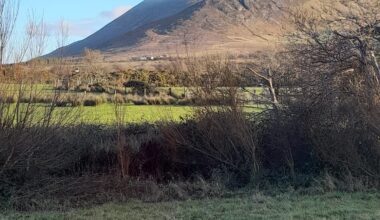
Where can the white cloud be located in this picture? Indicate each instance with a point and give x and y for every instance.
(84, 27)
(116, 12)
(80, 28)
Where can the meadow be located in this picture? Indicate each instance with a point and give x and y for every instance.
(105, 113)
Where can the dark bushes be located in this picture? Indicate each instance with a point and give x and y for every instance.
(222, 139)
(342, 139)
(285, 148)
(89, 102)
(97, 88)
(139, 87)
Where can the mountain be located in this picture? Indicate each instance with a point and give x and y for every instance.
(178, 26)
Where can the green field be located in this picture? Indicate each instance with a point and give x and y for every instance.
(105, 113)
(254, 206)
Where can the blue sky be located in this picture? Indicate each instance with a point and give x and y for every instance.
(82, 17)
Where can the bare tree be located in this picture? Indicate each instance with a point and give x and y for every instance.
(61, 69)
(62, 36)
(93, 64)
(8, 15)
(334, 69)
(26, 128)
(341, 40)
(266, 68)
(37, 33)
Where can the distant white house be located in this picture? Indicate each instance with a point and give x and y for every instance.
(150, 58)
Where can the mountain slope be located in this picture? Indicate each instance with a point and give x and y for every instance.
(170, 26)
(144, 13)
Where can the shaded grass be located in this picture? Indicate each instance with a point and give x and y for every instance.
(253, 206)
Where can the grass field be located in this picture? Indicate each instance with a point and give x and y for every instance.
(255, 206)
(105, 113)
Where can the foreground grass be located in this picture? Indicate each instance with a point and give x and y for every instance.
(256, 206)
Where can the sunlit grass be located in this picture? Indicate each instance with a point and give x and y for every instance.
(105, 113)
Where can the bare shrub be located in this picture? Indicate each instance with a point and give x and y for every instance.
(8, 16)
(220, 135)
(93, 65)
(215, 140)
(336, 80)
(27, 129)
(94, 100)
